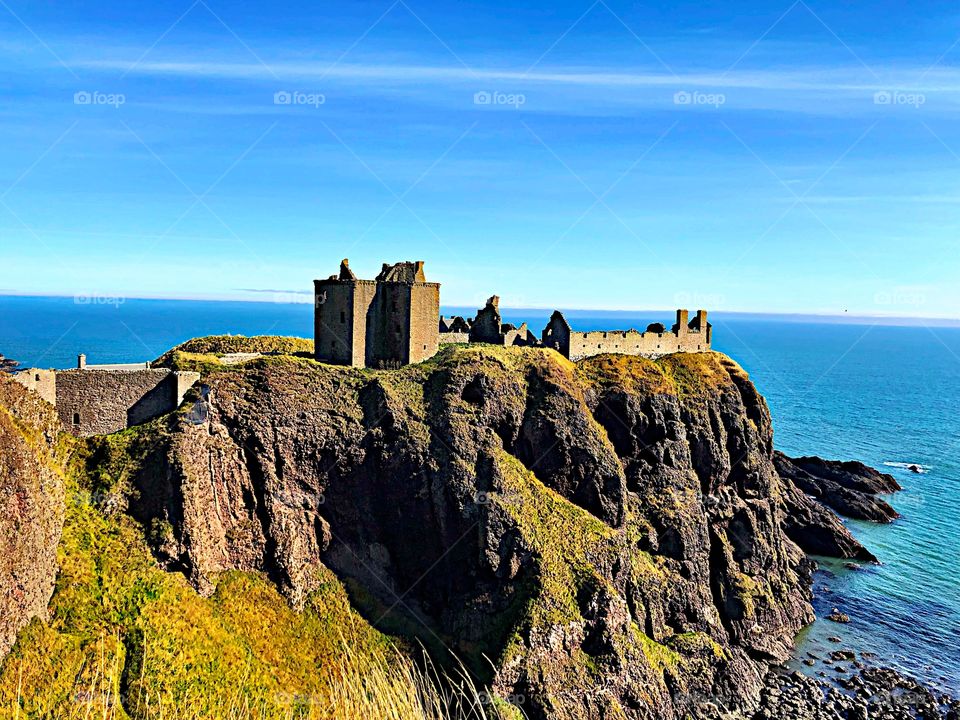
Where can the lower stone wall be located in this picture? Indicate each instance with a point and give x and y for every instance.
(450, 338)
(96, 402)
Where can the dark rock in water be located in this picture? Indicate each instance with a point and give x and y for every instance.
(834, 639)
(817, 530)
(847, 655)
(852, 566)
(838, 617)
(8, 365)
(849, 488)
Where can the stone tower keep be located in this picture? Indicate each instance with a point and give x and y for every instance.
(387, 322)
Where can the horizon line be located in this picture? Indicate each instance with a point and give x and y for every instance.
(877, 318)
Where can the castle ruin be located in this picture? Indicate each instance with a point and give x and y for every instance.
(383, 323)
(395, 320)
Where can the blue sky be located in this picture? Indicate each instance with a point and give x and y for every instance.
(786, 157)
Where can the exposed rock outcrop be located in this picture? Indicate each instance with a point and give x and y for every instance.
(849, 488)
(31, 507)
(817, 530)
(609, 533)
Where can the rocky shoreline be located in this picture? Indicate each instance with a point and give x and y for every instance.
(872, 692)
(845, 687)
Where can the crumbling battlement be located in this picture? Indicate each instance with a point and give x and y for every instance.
(96, 400)
(488, 327)
(685, 336)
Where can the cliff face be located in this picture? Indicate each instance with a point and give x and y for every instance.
(31, 507)
(608, 534)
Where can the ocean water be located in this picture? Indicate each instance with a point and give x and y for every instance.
(874, 393)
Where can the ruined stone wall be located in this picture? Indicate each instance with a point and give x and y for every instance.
(94, 402)
(556, 335)
(42, 382)
(519, 336)
(486, 325)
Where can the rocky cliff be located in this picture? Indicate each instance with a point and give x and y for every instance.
(601, 539)
(31, 507)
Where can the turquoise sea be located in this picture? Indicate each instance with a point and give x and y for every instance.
(876, 393)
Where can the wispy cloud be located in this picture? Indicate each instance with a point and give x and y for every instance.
(836, 79)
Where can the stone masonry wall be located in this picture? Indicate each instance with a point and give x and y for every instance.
(388, 326)
(334, 322)
(631, 342)
(424, 312)
(454, 337)
(94, 402)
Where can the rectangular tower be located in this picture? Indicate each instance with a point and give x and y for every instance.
(382, 323)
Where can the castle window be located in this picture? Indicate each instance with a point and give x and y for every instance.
(38, 377)
(424, 347)
(343, 316)
(76, 418)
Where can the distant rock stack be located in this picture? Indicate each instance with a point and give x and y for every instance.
(7, 365)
